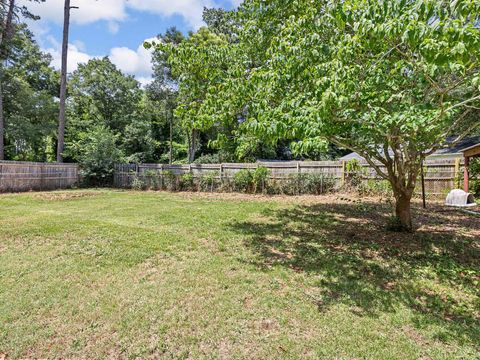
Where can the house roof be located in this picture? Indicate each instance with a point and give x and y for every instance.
(447, 151)
(461, 146)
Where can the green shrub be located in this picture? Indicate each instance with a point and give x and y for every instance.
(298, 184)
(354, 174)
(152, 179)
(186, 182)
(375, 187)
(292, 185)
(97, 152)
(474, 172)
(208, 159)
(316, 184)
(137, 183)
(170, 180)
(227, 185)
(243, 180)
(208, 181)
(273, 187)
(259, 178)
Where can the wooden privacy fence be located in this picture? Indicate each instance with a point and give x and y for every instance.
(25, 176)
(440, 175)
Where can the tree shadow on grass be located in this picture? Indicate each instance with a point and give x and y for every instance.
(435, 271)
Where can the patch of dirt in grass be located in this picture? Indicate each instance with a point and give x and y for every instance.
(415, 336)
(62, 196)
(267, 325)
(287, 199)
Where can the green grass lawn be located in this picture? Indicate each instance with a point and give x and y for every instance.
(97, 274)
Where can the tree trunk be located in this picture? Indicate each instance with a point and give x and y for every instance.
(192, 146)
(6, 33)
(171, 140)
(63, 83)
(403, 211)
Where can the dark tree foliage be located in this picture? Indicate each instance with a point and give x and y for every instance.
(30, 86)
(162, 95)
(222, 22)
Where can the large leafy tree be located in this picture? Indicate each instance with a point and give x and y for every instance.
(222, 22)
(162, 94)
(198, 62)
(30, 85)
(100, 95)
(388, 79)
(10, 13)
(225, 116)
(164, 82)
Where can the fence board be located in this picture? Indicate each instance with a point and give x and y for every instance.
(440, 175)
(16, 176)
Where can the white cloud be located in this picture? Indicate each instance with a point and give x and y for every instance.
(115, 11)
(236, 2)
(190, 10)
(75, 57)
(134, 62)
(75, 54)
(144, 81)
(80, 45)
(89, 11)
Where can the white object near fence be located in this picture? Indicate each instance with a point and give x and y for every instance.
(460, 198)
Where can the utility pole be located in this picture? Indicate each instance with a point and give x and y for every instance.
(424, 196)
(63, 81)
(171, 139)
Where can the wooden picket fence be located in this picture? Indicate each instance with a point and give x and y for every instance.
(440, 175)
(17, 176)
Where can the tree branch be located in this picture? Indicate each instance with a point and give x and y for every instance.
(463, 103)
(365, 155)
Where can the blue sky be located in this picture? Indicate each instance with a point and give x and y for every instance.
(116, 28)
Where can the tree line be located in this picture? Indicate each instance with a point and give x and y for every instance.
(110, 116)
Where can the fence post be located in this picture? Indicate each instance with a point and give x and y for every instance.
(423, 187)
(161, 177)
(42, 176)
(456, 183)
(298, 178)
(344, 170)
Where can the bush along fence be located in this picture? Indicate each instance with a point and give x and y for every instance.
(16, 176)
(289, 178)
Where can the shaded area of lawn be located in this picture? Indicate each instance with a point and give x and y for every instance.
(435, 272)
